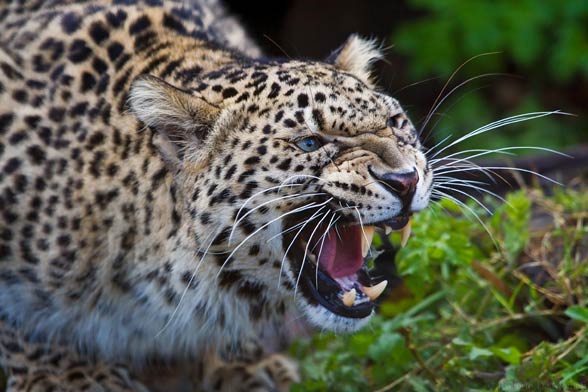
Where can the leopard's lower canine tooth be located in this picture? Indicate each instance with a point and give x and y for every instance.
(349, 297)
(405, 232)
(387, 229)
(366, 239)
(375, 291)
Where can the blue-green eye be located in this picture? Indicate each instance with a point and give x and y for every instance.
(309, 144)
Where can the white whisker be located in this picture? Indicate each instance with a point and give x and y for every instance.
(361, 226)
(437, 145)
(210, 237)
(435, 106)
(294, 196)
(306, 251)
(338, 234)
(470, 210)
(451, 157)
(323, 237)
(278, 187)
(505, 150)
(453, 180)
(466, 169)
(478, 188)
(294, 239)
(345, 208)
(450, 93)
(468, 196)
(296, 210)
(285, 231)
(498, 124)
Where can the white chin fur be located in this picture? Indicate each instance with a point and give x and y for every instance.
(324, 319)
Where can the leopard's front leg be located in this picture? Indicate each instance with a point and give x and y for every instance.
(275, 373)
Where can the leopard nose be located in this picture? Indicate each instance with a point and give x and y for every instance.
(402, 184)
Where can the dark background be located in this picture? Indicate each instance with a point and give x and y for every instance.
(313, 29)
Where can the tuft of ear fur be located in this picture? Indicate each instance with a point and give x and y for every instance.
(162, 106)
(356, 56)
(179, 119)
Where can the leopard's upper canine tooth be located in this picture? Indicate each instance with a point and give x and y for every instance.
(349, 297)
(375, 291)
(387, 229)
(366, 239)
(405, 232)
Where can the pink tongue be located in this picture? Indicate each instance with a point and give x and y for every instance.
(341, 256)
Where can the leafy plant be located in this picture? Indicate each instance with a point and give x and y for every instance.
(502, 314)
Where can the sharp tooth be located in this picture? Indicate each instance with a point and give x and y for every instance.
(349, 297)
(387, 229)
(366, 239)
(375, 291)
(405, 233)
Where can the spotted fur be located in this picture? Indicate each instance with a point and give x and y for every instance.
(142, 145)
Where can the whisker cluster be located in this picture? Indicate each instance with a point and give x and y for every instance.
(443, 167)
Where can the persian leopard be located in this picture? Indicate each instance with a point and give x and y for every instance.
(170, 196)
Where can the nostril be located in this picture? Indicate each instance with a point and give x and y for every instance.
(397, 121)
(402, 184)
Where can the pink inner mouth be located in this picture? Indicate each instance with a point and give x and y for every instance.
(341, 251)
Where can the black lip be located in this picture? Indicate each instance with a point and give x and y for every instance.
(326, 293)
(397, 222)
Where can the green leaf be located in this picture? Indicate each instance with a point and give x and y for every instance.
(577, 312)
(577, 368)
(419, 384)
(461, 342)
(509, 354)
(386, 346)
(477, 352)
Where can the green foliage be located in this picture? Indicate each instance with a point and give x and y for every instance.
(511, 223)
(579, 313)
(475, 317)
(443, 245)
(551, 33)
(541, 45)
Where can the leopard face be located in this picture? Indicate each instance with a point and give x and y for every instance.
(285, 168)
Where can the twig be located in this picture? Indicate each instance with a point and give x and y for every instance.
(406, 376)
(515, 317)
(406, 332)
(573, 342)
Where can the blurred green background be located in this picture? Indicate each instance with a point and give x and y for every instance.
(540, 51)
(539, 60)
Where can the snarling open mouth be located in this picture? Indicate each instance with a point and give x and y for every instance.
(331, 263)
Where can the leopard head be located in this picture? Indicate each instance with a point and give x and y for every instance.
(286, 168)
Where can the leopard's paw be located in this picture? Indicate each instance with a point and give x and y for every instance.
(275, 373)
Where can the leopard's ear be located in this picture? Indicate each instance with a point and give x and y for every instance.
(180, 119)
(356, 56)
